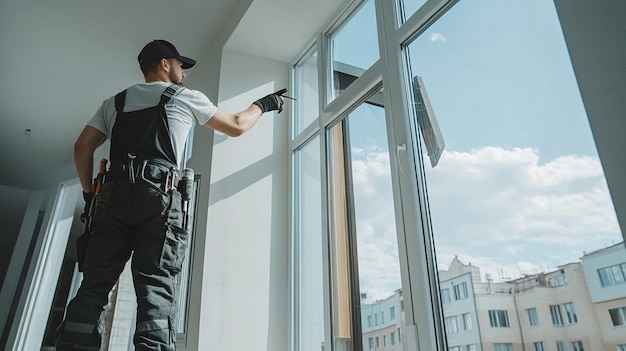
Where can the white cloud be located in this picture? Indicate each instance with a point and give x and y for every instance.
(437, 37)
(500, 209)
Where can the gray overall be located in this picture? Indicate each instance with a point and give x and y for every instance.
(138, 213)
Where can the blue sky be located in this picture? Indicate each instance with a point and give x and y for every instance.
(519, 188)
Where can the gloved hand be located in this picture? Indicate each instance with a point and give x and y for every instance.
(88, 197)
(271, 102)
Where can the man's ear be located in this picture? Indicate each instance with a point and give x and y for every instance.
(165, 65)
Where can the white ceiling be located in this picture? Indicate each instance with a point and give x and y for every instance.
(61, 58)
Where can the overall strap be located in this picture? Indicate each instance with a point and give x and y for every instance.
(169, 93)
(120, 99)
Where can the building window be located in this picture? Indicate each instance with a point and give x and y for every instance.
(400, 335)
(621, 347)
(369, 321)
(618, 316)
(455, 348)
(499, 319)
(471, 347)
(533, 318)
(393, 338)
(384, 340)
(539, 346)
(377, 342)
(452, 325)
(570, 313)
(578, 346)
(503, 347)
(460, 291)
(555, 313)
(445, 295)
(376, 319)
(392, 313)
(467, 321)
(382, 317)
(560, 346)
(371, 343)
(612, 275)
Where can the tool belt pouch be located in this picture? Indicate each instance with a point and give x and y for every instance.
(81, 249)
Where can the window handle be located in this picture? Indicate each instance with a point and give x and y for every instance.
(398, 149)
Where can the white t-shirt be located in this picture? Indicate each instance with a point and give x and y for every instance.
(184, 109)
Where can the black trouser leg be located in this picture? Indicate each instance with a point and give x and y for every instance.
(159, 246)
(108, 250)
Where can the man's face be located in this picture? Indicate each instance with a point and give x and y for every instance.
(176, 74)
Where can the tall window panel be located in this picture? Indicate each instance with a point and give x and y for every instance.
(353, 47)
(364, 246)
(308, 260)
(306, 91)
(511, 169)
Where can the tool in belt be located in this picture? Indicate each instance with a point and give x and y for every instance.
(83, 239)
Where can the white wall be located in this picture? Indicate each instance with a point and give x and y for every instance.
(245, 285)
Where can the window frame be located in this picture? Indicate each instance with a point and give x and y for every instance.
(421, 302)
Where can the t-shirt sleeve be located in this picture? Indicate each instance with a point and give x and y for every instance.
(202, 107)
(104, 118)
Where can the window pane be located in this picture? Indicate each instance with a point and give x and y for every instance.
(308, 236)
(411, 6)
(363, 225)
(519, 177)
(354, 47)
(307, 92)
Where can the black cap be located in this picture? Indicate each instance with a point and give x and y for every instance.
(158, 49)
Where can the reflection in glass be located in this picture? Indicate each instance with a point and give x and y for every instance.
(307, 106)
(309, 255)
(365, 262)
(354, 47)
(518, 200)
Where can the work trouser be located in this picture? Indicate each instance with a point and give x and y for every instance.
(145, 220)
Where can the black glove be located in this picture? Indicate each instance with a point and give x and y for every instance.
(88, 197)
(271, 102)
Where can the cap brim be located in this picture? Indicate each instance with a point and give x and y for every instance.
(187, 62)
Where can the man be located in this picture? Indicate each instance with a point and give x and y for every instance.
(138, 210)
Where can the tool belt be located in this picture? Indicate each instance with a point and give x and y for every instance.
(159, 173)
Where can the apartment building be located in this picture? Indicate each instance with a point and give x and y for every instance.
(580, 306)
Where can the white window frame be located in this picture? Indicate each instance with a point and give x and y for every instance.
(557, 315)
(533, 317)
(421, 300)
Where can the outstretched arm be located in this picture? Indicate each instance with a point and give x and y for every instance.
(236, 124)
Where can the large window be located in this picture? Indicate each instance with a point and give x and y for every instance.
(570, 313)
(613, 275)
(499, 319)
(354, 47)
(307, 90)
(438, 133)
(308, 249)
(533, 318)
(555, 313)
(363, 235)
(618, 316)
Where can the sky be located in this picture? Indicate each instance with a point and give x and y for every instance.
(519, 188)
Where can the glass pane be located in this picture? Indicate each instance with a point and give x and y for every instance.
(354, 47)
(307, 93)
(518, 197)
(309, 258)
(366, 267)
(411, 6)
